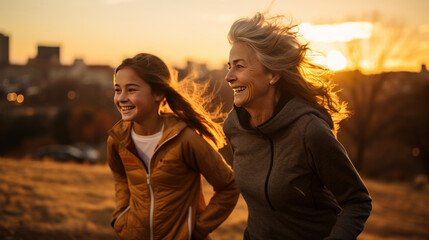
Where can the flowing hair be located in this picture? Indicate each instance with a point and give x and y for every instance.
(155, 72)
(278, 48)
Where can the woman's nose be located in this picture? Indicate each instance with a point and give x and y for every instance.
(230, 76)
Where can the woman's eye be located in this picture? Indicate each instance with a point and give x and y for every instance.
(117, 90)
(229, 68)
(131, 90)
(240, 66)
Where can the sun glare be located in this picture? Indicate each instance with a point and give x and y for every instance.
(335, 60)
(340, 32)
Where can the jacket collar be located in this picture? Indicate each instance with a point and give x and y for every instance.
(286, 112)
(244, 116)
(121, 131)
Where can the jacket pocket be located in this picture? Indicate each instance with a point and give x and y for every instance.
(121, 220)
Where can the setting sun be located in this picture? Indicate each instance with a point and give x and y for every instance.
(335, 60)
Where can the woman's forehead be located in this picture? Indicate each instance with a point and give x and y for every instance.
(241, 51)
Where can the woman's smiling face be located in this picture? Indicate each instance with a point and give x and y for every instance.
(247, 77)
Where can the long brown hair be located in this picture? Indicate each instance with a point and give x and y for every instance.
(278, 48)
(155, 72)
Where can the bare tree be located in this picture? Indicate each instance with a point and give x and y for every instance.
(368, 95)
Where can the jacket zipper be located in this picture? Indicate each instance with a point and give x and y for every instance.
(149, 183)
(267, 197)
(190, 222)
(151, 205)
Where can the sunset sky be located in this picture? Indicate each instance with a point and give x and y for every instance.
(106, 31)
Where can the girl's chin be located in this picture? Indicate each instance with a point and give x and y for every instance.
(126, 117)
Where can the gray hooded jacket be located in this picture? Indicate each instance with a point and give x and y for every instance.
(296, 178)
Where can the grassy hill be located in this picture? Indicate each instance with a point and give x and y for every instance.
(50, 200)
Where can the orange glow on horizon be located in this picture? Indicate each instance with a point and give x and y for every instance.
(195, 30)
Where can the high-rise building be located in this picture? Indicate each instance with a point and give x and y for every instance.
(4, 49)
(48, 54)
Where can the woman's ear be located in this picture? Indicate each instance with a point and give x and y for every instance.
(274, 79)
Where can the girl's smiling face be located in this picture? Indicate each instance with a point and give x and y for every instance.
(134, 97)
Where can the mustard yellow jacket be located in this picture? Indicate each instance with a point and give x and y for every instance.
(165, 200)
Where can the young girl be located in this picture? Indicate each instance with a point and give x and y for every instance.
(156, 159)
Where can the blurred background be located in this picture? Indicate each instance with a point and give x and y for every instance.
(56, 100)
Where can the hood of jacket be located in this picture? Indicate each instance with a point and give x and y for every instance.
(287, 114)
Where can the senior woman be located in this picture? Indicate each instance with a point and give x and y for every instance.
(294, 175)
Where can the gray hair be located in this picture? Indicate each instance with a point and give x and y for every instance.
(278, 48)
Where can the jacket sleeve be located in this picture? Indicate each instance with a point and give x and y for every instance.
(338, 174)
(122, 193)
(202, 157)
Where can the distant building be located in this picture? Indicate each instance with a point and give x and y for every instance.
(424, 70)
(46, 56)
(51, 54)
(199, 71)
(4, 49)
(86, 74)
(45, 68)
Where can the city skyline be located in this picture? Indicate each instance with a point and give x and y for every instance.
(106, 31)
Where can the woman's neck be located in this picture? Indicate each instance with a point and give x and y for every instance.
(263, 111)
(259, 117)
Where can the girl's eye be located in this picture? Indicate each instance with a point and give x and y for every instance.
(131, 90)
(117, 90)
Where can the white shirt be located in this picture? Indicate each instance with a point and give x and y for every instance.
(146, 144)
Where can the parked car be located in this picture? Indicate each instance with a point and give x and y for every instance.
(65, 153)
(90, 154)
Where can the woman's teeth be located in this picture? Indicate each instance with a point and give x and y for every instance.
(239, 89)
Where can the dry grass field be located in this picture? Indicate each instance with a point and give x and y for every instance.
(50, 200)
